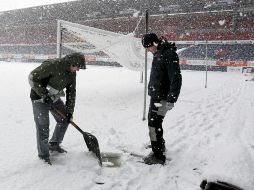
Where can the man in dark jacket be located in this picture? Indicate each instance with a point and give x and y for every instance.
(48, 82)
(163, 88)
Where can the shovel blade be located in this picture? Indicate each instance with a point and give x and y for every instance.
(93, 145)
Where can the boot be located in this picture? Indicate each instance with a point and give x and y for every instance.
(154, 159)
(158, 147)
(54, 146)
(163, 149)
(45, 159)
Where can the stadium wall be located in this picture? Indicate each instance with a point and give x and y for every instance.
(201, 65)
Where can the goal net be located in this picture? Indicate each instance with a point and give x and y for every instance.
(101, 45)
(109, 47)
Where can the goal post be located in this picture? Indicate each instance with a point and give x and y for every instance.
(101, 44)
(59, 41)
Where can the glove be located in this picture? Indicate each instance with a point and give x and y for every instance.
(47, 100)
(169, 105)
(68, 117)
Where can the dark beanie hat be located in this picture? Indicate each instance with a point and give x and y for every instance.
(149, 39)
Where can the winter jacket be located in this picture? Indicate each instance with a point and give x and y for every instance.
(165, 78)
(52, 77)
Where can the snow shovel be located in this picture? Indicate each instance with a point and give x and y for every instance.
(91, 141)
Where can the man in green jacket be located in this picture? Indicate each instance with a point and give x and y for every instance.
(48, 82)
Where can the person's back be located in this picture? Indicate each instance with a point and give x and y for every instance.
(49, 73)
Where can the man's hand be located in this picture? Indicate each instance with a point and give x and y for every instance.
(68, 117)
(47, 100)
(169, 105)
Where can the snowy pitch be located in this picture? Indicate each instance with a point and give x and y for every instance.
(209, 133)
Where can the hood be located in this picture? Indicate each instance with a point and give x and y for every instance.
(75, 59)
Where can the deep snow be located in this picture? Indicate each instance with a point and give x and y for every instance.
(209, 133)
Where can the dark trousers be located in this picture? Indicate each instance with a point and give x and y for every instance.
(155, 128)
(41, 118)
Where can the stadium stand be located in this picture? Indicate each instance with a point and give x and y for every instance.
(33, 30)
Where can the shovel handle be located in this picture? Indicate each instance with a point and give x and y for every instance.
(63, 115)
(91, 141)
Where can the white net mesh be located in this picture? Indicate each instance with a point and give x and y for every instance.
(126, 50)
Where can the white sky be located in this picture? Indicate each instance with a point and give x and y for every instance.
(6, 5)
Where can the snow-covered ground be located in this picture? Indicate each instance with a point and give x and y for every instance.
(209, 133)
